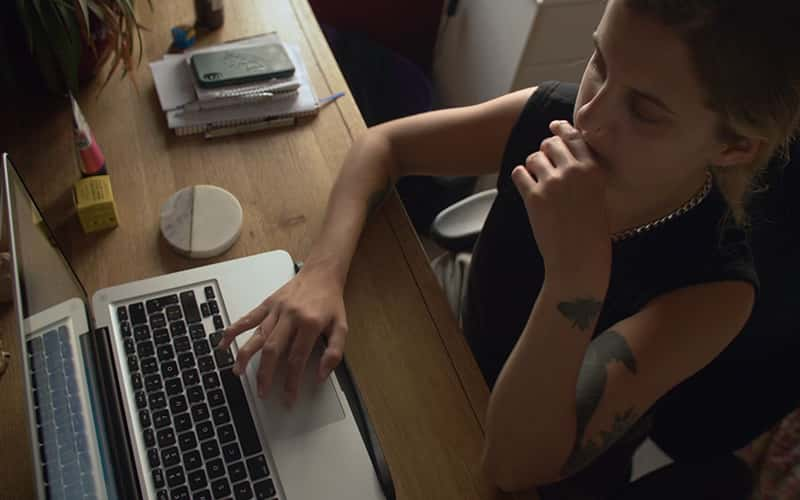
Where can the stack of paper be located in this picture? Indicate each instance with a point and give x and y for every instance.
(191, 109)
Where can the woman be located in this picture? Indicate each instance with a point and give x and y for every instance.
(611, 261)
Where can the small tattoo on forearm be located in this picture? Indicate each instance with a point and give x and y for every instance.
(582, 312)
(584, 454)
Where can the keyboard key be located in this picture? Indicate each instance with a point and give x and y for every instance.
(158, 478)
(158, 321)
(152, 457)
(165, 353)
(168, 300)
(170, 456)
(192, 460)
(242, 491)
(141, 332)
(126, 329)
(187, 441)
(166, 437)
(237, 472)
(212, 304)
(183, 422)
(221, 488)
(209, 292)
(200, 412)
(202, 495)
(162, 495)
(161, 419)
(186, 360)
(202, 347)
(215, 337)
(141, 399)
(205, 310)
(177, 328)
(145, 348)
(189, 304)
(205, 430)
(144, 418)
(178, 404)
(137, 313)
(205, 363)
(130, 347)
(218, 323)
(169, 369)
(210, 449)
(174, 313)
(149, 365)
(221, 415)
(149, 438)
(182, 343)
(224, 358)
(215, 468)
(216, 397)
(161, 336)
(210, 380)
(122, 313)
(190, 377)
(173, 386)
(180, 493)
(157, 400)
(136, 381)
(264, 490)
(196, 394)
(153, 382)
(231, 452)
(226, 434)
(133, 363)
(197, 331)
(197, 479)
(242, 419)
(153, 306)
(175, 476)
(257, 466)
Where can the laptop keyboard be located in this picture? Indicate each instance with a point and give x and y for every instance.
(67, 468)
(199, 434)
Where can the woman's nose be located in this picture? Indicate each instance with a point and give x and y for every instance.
(594, 120)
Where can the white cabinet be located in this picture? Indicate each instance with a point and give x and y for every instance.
(491, 47)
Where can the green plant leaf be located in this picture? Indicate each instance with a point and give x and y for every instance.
(63, 37)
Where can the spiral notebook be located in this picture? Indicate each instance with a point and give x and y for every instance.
(187, 106)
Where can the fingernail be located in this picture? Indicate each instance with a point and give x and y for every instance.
(236, 370)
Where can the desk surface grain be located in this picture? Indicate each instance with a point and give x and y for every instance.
(421, 385)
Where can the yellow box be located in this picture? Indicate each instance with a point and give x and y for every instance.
(94, 202)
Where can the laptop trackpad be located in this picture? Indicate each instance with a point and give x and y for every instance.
(317, 405)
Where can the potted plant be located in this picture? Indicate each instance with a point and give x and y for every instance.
(67, 41)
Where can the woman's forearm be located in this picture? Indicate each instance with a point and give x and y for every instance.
(365, 179)
(531, 415)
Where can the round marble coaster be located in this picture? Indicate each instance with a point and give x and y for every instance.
(201, 221)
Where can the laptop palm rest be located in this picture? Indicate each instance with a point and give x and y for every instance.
(317, 405)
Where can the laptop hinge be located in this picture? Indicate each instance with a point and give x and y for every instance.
(124, 470)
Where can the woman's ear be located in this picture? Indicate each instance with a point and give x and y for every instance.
(740, 151)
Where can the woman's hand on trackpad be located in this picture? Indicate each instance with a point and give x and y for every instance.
(287, 325)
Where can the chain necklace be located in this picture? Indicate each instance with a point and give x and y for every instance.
(690, 204)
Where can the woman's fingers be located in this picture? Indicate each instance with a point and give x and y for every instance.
(573, 139)
(271, 352)
(334, 351)
(301, 349)
(246, 352)
(557, 152)
(246, 322)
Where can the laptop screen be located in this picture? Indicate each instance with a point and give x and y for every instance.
(46, 279)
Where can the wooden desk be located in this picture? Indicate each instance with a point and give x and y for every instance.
(421, 385)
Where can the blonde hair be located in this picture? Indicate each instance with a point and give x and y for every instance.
(745, 54)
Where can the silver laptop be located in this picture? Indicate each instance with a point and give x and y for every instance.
(128, 397)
